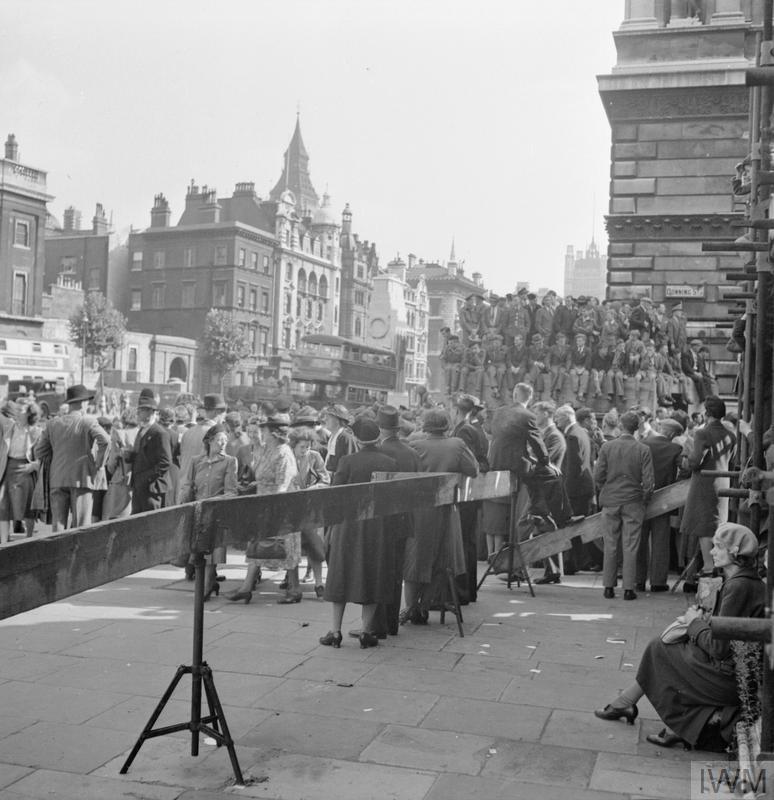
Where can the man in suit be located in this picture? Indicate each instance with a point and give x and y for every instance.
(624, 476)
(516, 446)
(69, 442)
(693, 365)
(654, 543)
(150, 457)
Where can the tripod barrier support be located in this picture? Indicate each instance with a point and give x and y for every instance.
(214, 723)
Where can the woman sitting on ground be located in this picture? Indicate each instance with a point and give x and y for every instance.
(691, 683)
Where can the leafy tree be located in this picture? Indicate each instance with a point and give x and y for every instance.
(98, 329)
(223, 343)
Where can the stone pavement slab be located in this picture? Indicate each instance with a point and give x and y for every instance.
(11, 773)
(654, 777)
(541, 764)
(500, 720)
(583, 730)
(54, 703)
(66, 786)
(462, 787)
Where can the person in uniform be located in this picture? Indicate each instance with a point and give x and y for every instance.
(472, 369)
(451, 362)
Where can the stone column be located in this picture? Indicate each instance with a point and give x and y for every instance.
(727, 12)
(640, 14)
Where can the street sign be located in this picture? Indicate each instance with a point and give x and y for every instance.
(680, 290)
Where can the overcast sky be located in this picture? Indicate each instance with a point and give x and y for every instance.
(435, 119)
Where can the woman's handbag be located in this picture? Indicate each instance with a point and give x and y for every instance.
(675, 632)
(277, 552)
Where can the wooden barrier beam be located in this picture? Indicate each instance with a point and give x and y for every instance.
(549, 544)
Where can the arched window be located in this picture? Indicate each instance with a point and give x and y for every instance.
(323, 287)
(313, 284)
(302, 280)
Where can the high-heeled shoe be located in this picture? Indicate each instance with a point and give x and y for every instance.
(331, 639)
(368, 640)
(215, 588)
(664, 739)
(237, 596)
(294, 597)
(629, 713)
(554, 577)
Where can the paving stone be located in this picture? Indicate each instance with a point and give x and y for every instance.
(499, 720)
(362, 703)
(210, 794)
(53, 703)
(66, 786)
(168, 762)
(332, 669)
(27, 665)
(10, 773)
(478, 663)
(583, 730)
(298, 777)
(441, 751)
(642, 776)
(484, 686)
(407, 656)
(580, 656)
(526, 692)
(495, 646)
(258, 659)
(46, 637)
(112, 675)
(300, 641)
(9, 725)
(464, 787)
(235, 689)
(311, 735)
(69, 748)
(541, 764)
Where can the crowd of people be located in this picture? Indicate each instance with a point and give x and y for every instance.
(576, 350)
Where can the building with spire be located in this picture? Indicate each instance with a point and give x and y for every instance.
(585, 273)
(295, 176)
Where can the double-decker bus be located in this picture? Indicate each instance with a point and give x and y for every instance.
(331, 369)
(40, 366)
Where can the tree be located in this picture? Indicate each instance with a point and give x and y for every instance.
(223, 343)
(98, 329)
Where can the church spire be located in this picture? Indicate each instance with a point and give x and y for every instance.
(295, 174)
(452, 255)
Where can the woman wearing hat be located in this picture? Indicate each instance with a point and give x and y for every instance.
(213, 474)
(342, 441)
(691, 682)
(270, 471)
(361, 557)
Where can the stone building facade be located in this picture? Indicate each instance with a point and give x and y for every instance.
(678, 110)
(585, 273)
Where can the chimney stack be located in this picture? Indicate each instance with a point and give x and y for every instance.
(160, 213)
(412, 260)
(209, 210)
(99, 223)
(11, 148)
(72, 219)
(478, 279)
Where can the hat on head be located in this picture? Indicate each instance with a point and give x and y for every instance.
(521, 292)
(467, 402)
(305, 416)
(581, 334)
(388, 418)
(282, 404)
(670, 427)
(276, 420)
(537, 337)
(147, 399)
(531, 296)
(212, 432)
(366, 430)
(435, 420)
(340, 412)
(677, 307)
(737, 539)
(167, 416)
(454, 337)
(78, 394)
(214, 402)
(697, 341)
(582, 300)
(105, 422)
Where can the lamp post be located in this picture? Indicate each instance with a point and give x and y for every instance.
(84, 325)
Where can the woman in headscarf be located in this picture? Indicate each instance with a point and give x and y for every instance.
(691, 683)
(269, 471)
(213, 474)
(361, 563)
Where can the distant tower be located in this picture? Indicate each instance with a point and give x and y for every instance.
(295, 176)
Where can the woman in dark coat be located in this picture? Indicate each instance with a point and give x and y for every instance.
(691, 683)
(361, 561)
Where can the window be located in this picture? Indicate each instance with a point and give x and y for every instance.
(312, 284)
(360, 297)
(289, 272)
(68, 263)
(288, 302)
(360, 270)
(220, 254)
(137, 260)
(302, 281)
(254, 261)
(131, 361)
(3, 345)
(58, 350)
(358, 327)
(420, 372)
(158, 259)
(298, 306)
(189, 257)
(337, 285)
(253, 299)
(319, 312)
(136, 303)
(188, 295)
(265, 302)
(435, 307)
(21, 234)
(335, 315)
(309, 309)
(240, 378)
(286, 338)
(37, 347)
(242, 256)
(266, 267)
(19, 299)
(323, 287)
(157, 296)
(252, 338)
(95, 277)
(241, 289)
(263, 341)
(219, 293)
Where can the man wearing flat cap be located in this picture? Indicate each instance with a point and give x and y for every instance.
(150, 457)
(69, 441)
